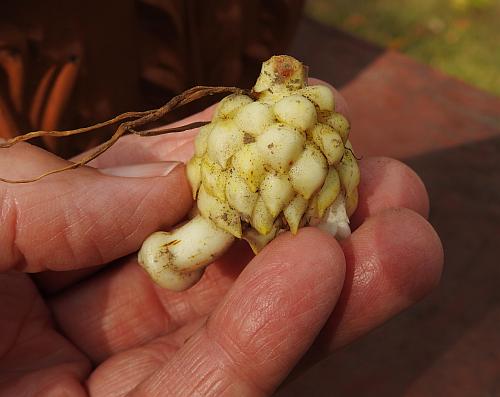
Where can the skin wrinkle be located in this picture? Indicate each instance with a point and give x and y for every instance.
(70, 224)
(63, 240)
(187, 331)
(227, 357)
(257, 284)
(213, 286)
(10, 219)
(39, 327)
(26, 223)
(237, 345)
(170, 324)
(267, 348)
(146, 360)
(156, 309)
(17, 333)
(134, 220)
(204, 296)
(157, 379)
(234, 368)
(264, 348)
(199, 306)
(174, 198)
(109, 322)
(180, 147)
(43, 320)
(112, 238)
(65, 386)
(143, 336)
(88, 232)
(284, 344)
(172, 315)
(112, 316)
(209, 382)
(161, 354)
(366, 278)
(137, 218)
(181, 309)
(228, 361)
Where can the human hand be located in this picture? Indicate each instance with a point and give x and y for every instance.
(110, 331)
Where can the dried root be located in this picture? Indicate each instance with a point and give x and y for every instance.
(140, 119)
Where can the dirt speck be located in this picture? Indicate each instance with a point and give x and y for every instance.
(247, 138)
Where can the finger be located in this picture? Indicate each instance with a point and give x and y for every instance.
(82, 217)
(387, 183)
(140, 149)
(33, 356)
(139, 310)
(259, 331)
(393, 260)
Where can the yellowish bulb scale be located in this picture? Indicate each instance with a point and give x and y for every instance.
(338, 122)
(280, 145)
(321, 96)
(193, 172)
(240, 196)
(249, 164)
(296, 111)
(201, 140)
(329, 141)
(294, 211)
(224, 141)
(329, 192)
(254, 118)
(230, 105)
(262, 219)
(219, 212)
(348, 170)
(276, 191)
(308, 173)
(213, 178)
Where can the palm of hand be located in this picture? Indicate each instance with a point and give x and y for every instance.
(238, 332)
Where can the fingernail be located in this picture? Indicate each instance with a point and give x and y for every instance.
(146, 170)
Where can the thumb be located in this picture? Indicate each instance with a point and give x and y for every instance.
(82, 217)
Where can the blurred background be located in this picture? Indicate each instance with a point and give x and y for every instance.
(459, 37)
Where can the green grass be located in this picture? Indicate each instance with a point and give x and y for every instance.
(459, 37)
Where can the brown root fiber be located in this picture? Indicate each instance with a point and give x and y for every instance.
(139, 119)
